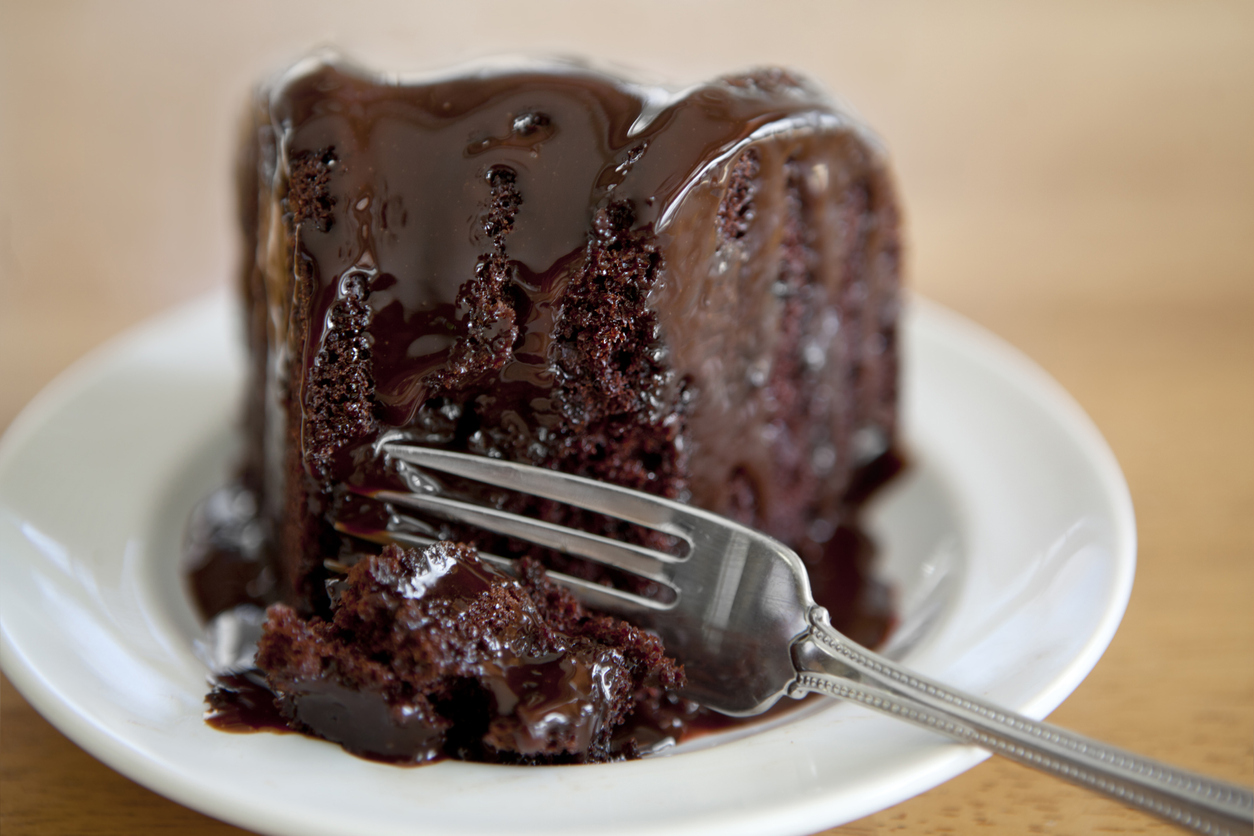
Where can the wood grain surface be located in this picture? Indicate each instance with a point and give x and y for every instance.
(1079, 178)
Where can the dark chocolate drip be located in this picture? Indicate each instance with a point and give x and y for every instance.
(243, 703)
(227, 557)
(563, 145)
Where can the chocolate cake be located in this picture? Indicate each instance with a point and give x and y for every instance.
(690, 293)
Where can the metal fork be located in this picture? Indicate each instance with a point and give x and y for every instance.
(739, 615)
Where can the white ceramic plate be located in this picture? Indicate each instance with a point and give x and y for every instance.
(1011, 544)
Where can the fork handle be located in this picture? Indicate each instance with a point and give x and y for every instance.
(829, 663)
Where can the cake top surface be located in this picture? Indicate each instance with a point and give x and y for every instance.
(570, 126)
(575, 138)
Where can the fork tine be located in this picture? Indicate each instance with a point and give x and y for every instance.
(654, 512)
(630, 558)
(595, 595)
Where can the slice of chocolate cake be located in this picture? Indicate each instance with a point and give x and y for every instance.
(691, 293)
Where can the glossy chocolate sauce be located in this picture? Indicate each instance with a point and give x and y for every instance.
(576, 146)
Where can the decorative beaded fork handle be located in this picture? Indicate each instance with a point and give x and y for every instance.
(736, 609)
(829, 663)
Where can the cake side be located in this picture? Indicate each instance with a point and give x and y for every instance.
(785, 323)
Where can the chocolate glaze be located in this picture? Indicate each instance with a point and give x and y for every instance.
(226, 557)
(242, 703)
(575, 142)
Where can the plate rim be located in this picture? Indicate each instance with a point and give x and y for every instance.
(1020, 371)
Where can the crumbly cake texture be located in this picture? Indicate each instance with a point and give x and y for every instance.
(693, 294)
(433, 652)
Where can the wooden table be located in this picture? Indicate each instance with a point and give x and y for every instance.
(1079, 179)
